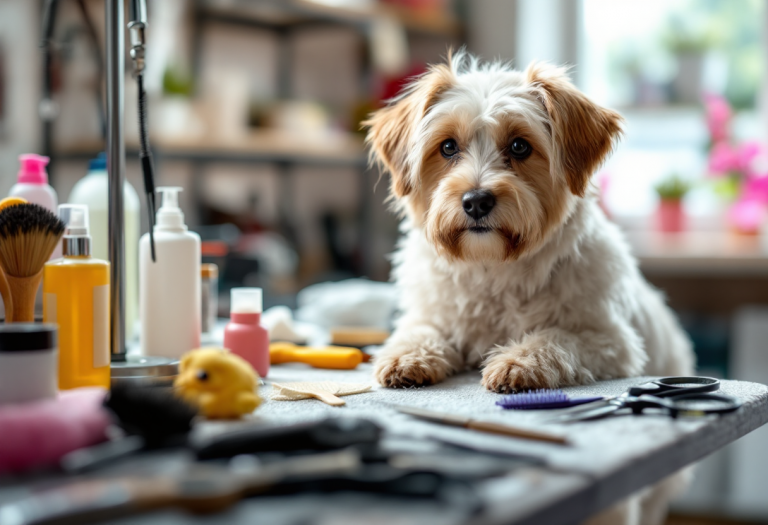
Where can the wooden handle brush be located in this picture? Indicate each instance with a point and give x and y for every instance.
(5, 290)
(28, 235)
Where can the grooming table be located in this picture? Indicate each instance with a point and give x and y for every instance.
(606, 461)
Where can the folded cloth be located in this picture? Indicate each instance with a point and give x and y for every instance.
(354, 302)
(39, 433)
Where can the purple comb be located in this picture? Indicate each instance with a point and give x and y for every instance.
(542, 399)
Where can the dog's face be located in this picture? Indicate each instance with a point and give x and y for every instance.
(488, 160)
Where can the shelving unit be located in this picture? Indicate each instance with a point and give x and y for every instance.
(281, 149)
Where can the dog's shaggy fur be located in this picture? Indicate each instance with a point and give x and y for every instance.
(541, 292)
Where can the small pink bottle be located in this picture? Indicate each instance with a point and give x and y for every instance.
(244, 335)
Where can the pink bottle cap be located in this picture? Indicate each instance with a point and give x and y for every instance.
(32, 169)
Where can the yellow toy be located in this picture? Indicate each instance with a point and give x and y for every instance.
(333, 357)
(222, 385)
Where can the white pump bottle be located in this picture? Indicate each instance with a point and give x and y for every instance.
(169, 288)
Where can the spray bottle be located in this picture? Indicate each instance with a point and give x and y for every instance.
(169, 287)
(76, 297)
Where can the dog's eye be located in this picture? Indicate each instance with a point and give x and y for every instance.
(520, 149)
(449, 148)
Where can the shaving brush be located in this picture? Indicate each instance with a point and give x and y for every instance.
(5, 290)
(28, 235)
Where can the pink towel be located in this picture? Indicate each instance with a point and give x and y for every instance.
(39, 433)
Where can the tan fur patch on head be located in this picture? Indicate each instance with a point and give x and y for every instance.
(390, 129)
(583, 131)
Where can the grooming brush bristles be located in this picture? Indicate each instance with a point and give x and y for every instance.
(542, 399)
(28, 235)
(533, 398)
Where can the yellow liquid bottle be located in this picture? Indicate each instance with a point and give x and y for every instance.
(76, 297)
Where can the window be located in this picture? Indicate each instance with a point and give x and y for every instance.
(653, 60)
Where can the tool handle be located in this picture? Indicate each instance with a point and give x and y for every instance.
(330, 357)
(23, 290)
(497, 428)
(5, 292)
(329, 399)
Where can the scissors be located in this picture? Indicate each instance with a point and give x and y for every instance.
(687, 396)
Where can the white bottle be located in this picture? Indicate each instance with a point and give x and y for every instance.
(92, 190)
(169, 288)
(33, 186)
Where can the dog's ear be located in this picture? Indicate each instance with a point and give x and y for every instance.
(391, 129)
(583, 132)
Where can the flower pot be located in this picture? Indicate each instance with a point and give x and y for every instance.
(670, 216)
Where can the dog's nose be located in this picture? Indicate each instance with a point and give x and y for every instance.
(478, 203)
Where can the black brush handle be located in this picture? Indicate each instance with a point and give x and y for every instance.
(328, 434)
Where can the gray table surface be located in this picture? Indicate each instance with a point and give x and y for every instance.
(606, 460)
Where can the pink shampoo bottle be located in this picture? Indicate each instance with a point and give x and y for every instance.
(244, 335)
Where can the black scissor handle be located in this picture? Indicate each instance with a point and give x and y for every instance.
(676, 386)
(702, 404)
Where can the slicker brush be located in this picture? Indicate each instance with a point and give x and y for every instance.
(28, 235)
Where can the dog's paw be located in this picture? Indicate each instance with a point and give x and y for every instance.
(403, 365)
(505, 374)
(405, 372)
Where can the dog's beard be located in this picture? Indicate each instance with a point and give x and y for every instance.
(470, 240)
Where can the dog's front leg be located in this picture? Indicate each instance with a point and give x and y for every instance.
(416, 356)
(554, 358)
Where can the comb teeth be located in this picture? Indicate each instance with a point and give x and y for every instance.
(533, 399)
(542, 399)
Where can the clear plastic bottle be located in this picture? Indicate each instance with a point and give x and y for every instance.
(91, 190)
(169, 287)
(76, 297)
(244, 335)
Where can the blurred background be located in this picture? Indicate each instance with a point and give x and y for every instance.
(255, 110)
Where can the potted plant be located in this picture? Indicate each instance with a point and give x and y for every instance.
(688, 44)
(670, 215)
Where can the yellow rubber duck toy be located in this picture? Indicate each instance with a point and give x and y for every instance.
(221, 384)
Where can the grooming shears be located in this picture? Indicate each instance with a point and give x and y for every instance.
(673, 395)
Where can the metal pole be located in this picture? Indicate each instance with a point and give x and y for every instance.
(116, 172)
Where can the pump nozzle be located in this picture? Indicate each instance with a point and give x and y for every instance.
(77, 238)
(75, 216)
(170, 216)
(32, 169)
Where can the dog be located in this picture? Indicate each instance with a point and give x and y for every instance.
(506, 260)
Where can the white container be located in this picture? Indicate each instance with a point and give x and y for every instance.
(33, 186)
(29, 362)
(169, 288)
(91, 190)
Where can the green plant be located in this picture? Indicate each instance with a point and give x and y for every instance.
(689, 35)
(175, 82)
(672, 188)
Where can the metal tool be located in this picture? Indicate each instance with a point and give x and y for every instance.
(686, 395)
(197, 488)
(482, 426)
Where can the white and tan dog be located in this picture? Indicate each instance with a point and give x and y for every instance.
(506, 261)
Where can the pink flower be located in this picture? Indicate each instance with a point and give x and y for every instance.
(755, 189)
(718, 117)
(723, 159)
(745, 155)
(746, 215)
(745, 160)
